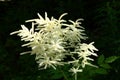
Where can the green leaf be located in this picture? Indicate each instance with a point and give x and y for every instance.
(101, 59)
(111, 59)
(105, 65)
(101, 71)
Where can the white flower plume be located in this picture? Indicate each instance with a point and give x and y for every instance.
(52, 40)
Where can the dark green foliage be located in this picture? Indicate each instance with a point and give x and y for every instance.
(101, 21)
(111, 59)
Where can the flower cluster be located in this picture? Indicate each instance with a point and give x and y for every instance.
(53, 40)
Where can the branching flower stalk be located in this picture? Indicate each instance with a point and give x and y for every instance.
(53, 40)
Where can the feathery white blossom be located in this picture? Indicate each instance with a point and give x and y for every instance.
(51, 41)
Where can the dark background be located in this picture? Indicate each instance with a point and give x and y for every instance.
(101, 22)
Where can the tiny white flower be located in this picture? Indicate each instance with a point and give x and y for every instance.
(75, 70)
(90, 46)
(57, 45)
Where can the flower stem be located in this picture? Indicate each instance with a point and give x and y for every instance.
(76, 76)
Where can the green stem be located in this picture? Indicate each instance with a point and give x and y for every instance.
(76, 76)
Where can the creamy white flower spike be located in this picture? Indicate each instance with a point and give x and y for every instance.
(52, 40)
